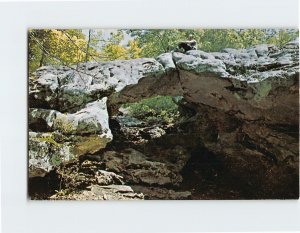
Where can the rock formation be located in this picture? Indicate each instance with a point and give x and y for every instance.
(246, 114)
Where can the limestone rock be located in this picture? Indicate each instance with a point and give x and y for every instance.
(68, 89)
(96, 192)
(108, 178)
(154, 193)
(245, 105)
(47, 151)
(136, 168)
(45, 154)
(167, 61)
(88, 144)
(74, 134)
(42, 119)
(43, 91)
(92, 119)
(251, 87)
(196, 64)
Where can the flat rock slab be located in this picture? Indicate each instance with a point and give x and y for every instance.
(156, 193)
(96, 192)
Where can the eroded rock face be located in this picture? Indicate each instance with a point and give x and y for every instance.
(42, 119)
(67, 89)
(108, 178)
(88, 181)
(45, 154)
(64, 137)
(244, 103)
(92, 119)
(137, 168)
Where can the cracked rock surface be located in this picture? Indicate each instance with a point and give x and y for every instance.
(245, 115)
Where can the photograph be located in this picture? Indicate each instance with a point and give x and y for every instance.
(163, 114)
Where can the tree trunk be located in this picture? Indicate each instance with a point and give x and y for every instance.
(43, 57)
(88, 46)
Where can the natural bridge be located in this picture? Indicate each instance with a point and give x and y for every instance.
(239, 127)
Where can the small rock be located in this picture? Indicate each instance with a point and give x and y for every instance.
(108, 178)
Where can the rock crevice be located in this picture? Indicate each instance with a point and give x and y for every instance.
(245, 104)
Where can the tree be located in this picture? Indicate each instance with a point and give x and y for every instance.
(133, 50)
(113, 48)
(155, 42)
(88, 45)
(114, 52)
(56, 47)
(93, 45)
(70, 46)
(283, 37)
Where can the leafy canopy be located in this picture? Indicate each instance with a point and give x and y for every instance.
(70, 47)
(113, 48)
(154, 42)
(56, 47)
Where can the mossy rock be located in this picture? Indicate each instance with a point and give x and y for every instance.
(49, 140)
(89, 144)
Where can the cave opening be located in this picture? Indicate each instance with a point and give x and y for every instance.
(160, 127)
(135, 124)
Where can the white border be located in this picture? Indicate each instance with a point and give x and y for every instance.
(21, 215)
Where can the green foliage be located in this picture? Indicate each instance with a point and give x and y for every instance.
(71, 46)
(133, 50)
(114, 52)
(159, 109)
(283, 37)
(154, 42)
(113, 48)
(214, 40)
(56, 47)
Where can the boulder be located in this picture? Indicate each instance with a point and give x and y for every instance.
(197, 65)
(92, 119)
(108, 178)
(45, 154)
(41, 120)
(47, 151)
(166, 60)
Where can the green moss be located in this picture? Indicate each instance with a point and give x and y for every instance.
(49, 140)
(62, 124)
(56, 160)
(89, 145)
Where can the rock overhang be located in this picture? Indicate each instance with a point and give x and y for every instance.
(259, 84)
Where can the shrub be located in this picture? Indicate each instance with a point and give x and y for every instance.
(159, 109)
